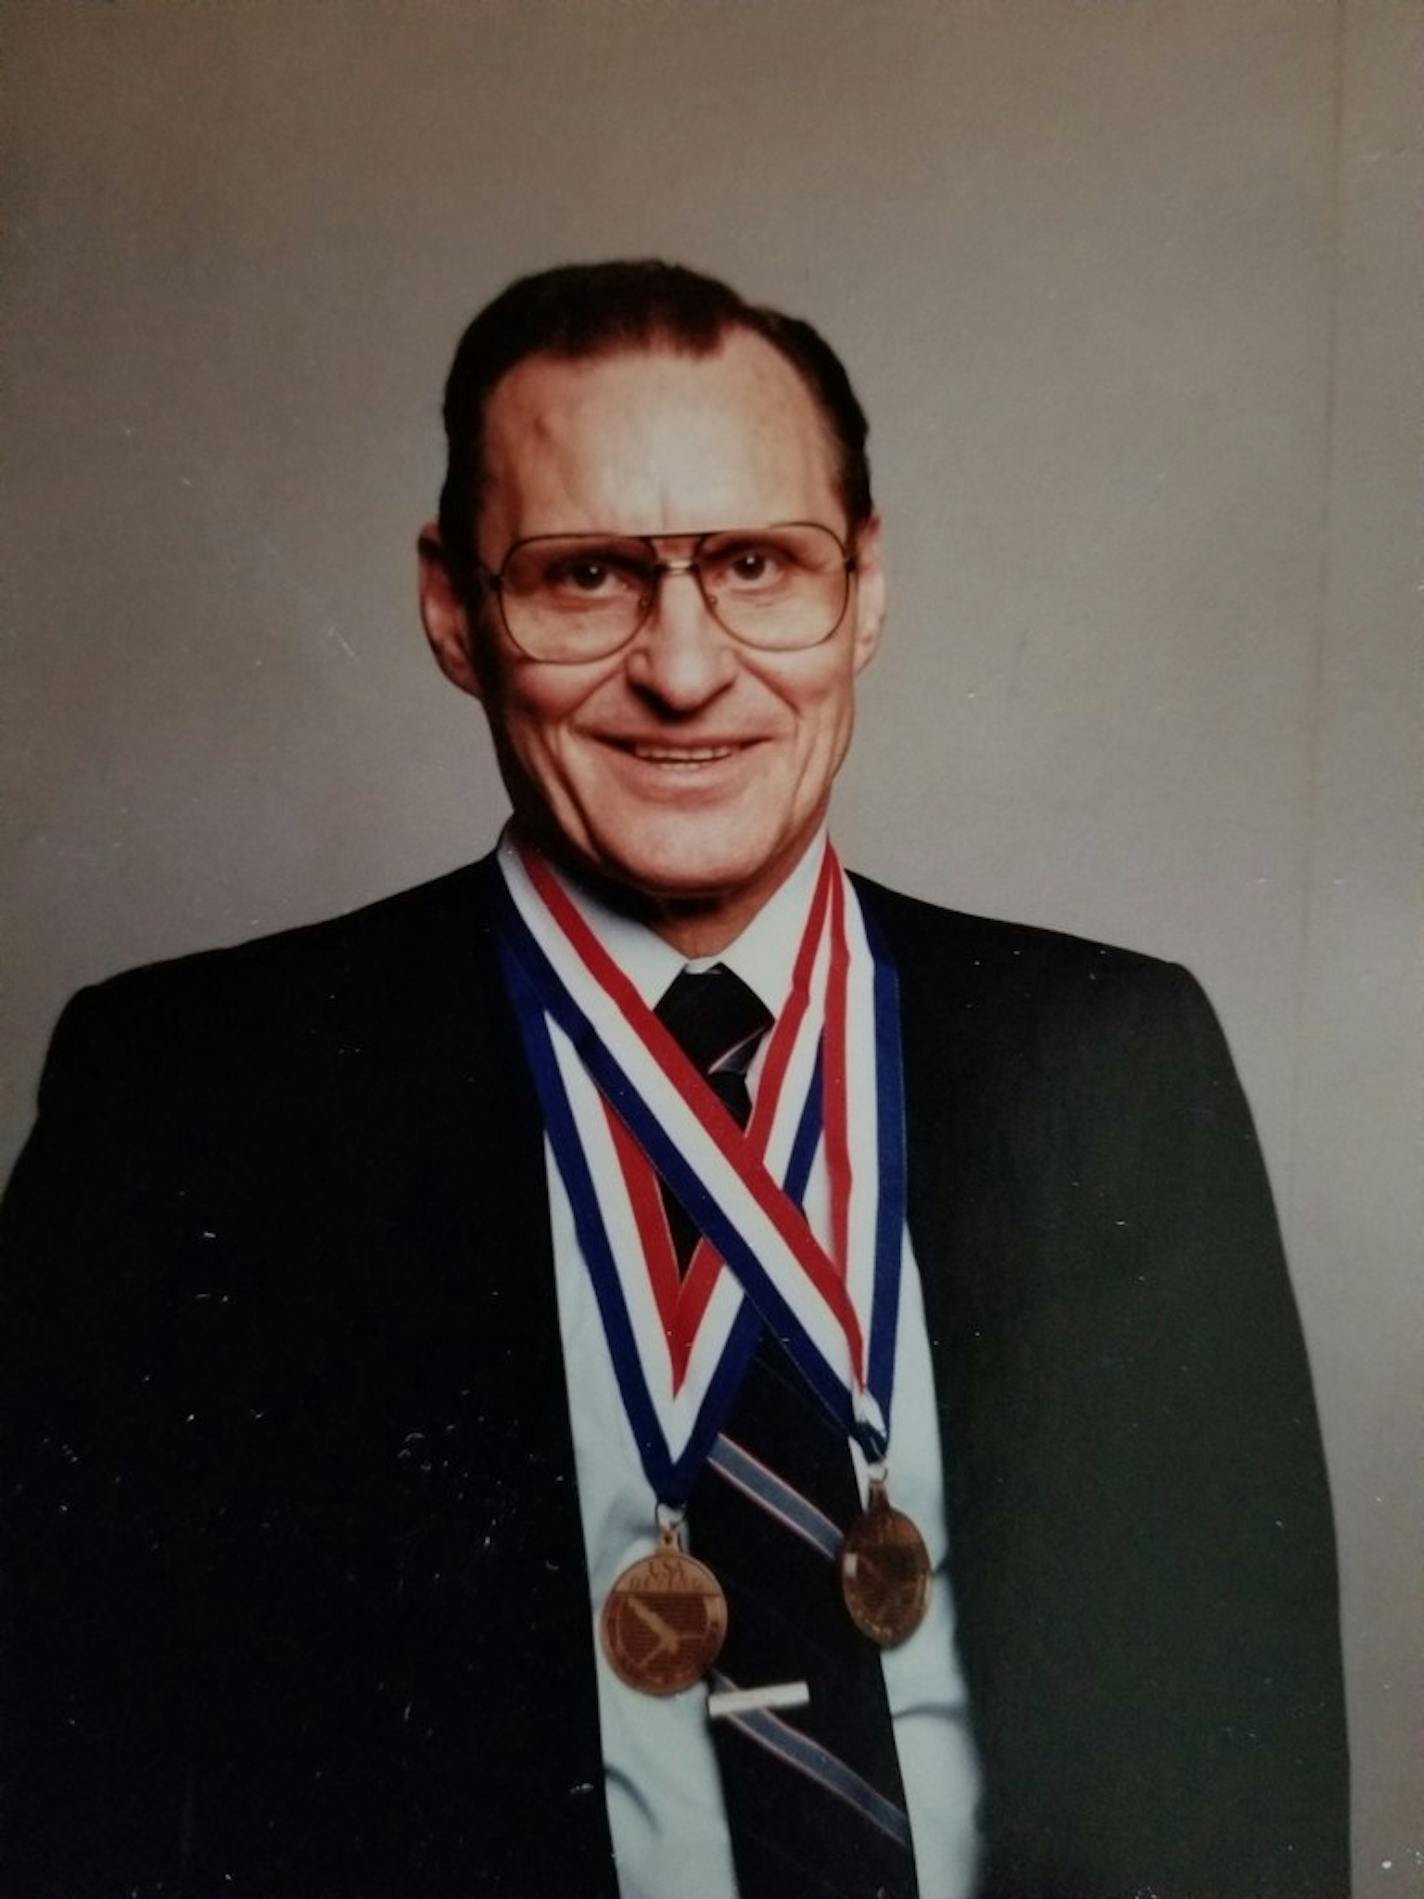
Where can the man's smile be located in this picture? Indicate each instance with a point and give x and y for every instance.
(682, 755)
(688, 755)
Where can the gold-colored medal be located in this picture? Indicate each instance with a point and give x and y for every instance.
(664, 1620)
(884, 1571)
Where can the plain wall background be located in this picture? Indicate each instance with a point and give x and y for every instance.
(1130, 289)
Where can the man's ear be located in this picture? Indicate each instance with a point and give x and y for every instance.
(444, 615)
(869, 592)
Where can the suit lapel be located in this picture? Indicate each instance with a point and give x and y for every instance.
(485, 1464)
(951, 1089)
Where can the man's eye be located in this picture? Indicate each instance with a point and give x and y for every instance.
(588, 580)
(751, 567)
(581, 576)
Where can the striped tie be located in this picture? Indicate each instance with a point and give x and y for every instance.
(814, 1800)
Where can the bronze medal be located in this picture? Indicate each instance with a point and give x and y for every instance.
(664, 1621)
(885, 1572)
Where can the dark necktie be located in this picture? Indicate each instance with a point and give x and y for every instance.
(814, 1800)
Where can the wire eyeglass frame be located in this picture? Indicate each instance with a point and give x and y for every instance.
(658, 569)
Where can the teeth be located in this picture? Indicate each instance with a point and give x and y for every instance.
(682, 755)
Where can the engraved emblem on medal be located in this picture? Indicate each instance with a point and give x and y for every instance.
(885, 1571)
(664, 1619)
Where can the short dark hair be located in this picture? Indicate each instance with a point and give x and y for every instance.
(584, 310)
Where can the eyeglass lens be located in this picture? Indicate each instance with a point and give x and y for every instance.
(580, 596)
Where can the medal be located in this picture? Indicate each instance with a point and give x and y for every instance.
(885, 1571)
(624, 1108)
(664, 1620)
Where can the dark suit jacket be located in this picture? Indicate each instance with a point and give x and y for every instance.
(296, 1603)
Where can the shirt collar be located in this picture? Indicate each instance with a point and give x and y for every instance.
(764, 955)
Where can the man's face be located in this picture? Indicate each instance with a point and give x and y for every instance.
(686, 767)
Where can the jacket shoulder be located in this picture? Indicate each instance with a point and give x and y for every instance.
(373, 932)
(1028, 953)
(369, 939)
(1029, 998)
(319, 988)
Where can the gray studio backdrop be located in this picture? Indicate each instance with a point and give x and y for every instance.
(1128, 287)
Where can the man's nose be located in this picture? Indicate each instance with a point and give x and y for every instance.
(681, 656)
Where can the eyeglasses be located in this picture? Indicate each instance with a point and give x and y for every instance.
(571, 597)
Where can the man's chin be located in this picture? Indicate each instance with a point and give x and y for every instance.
(703, 884)
(652, 873)
(732, 882)
(654, 865)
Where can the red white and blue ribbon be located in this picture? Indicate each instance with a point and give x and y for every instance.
(624, 1106)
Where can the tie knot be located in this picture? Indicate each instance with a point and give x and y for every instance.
(715, 1019)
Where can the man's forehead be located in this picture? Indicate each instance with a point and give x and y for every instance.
(658, 428)
(739, 365)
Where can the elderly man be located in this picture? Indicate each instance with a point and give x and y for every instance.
(650, 1366)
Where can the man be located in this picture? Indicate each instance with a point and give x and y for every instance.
(647, 1366)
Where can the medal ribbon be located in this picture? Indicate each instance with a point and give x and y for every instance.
(661, 1118)
(682, 1298)
(823, 1274)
